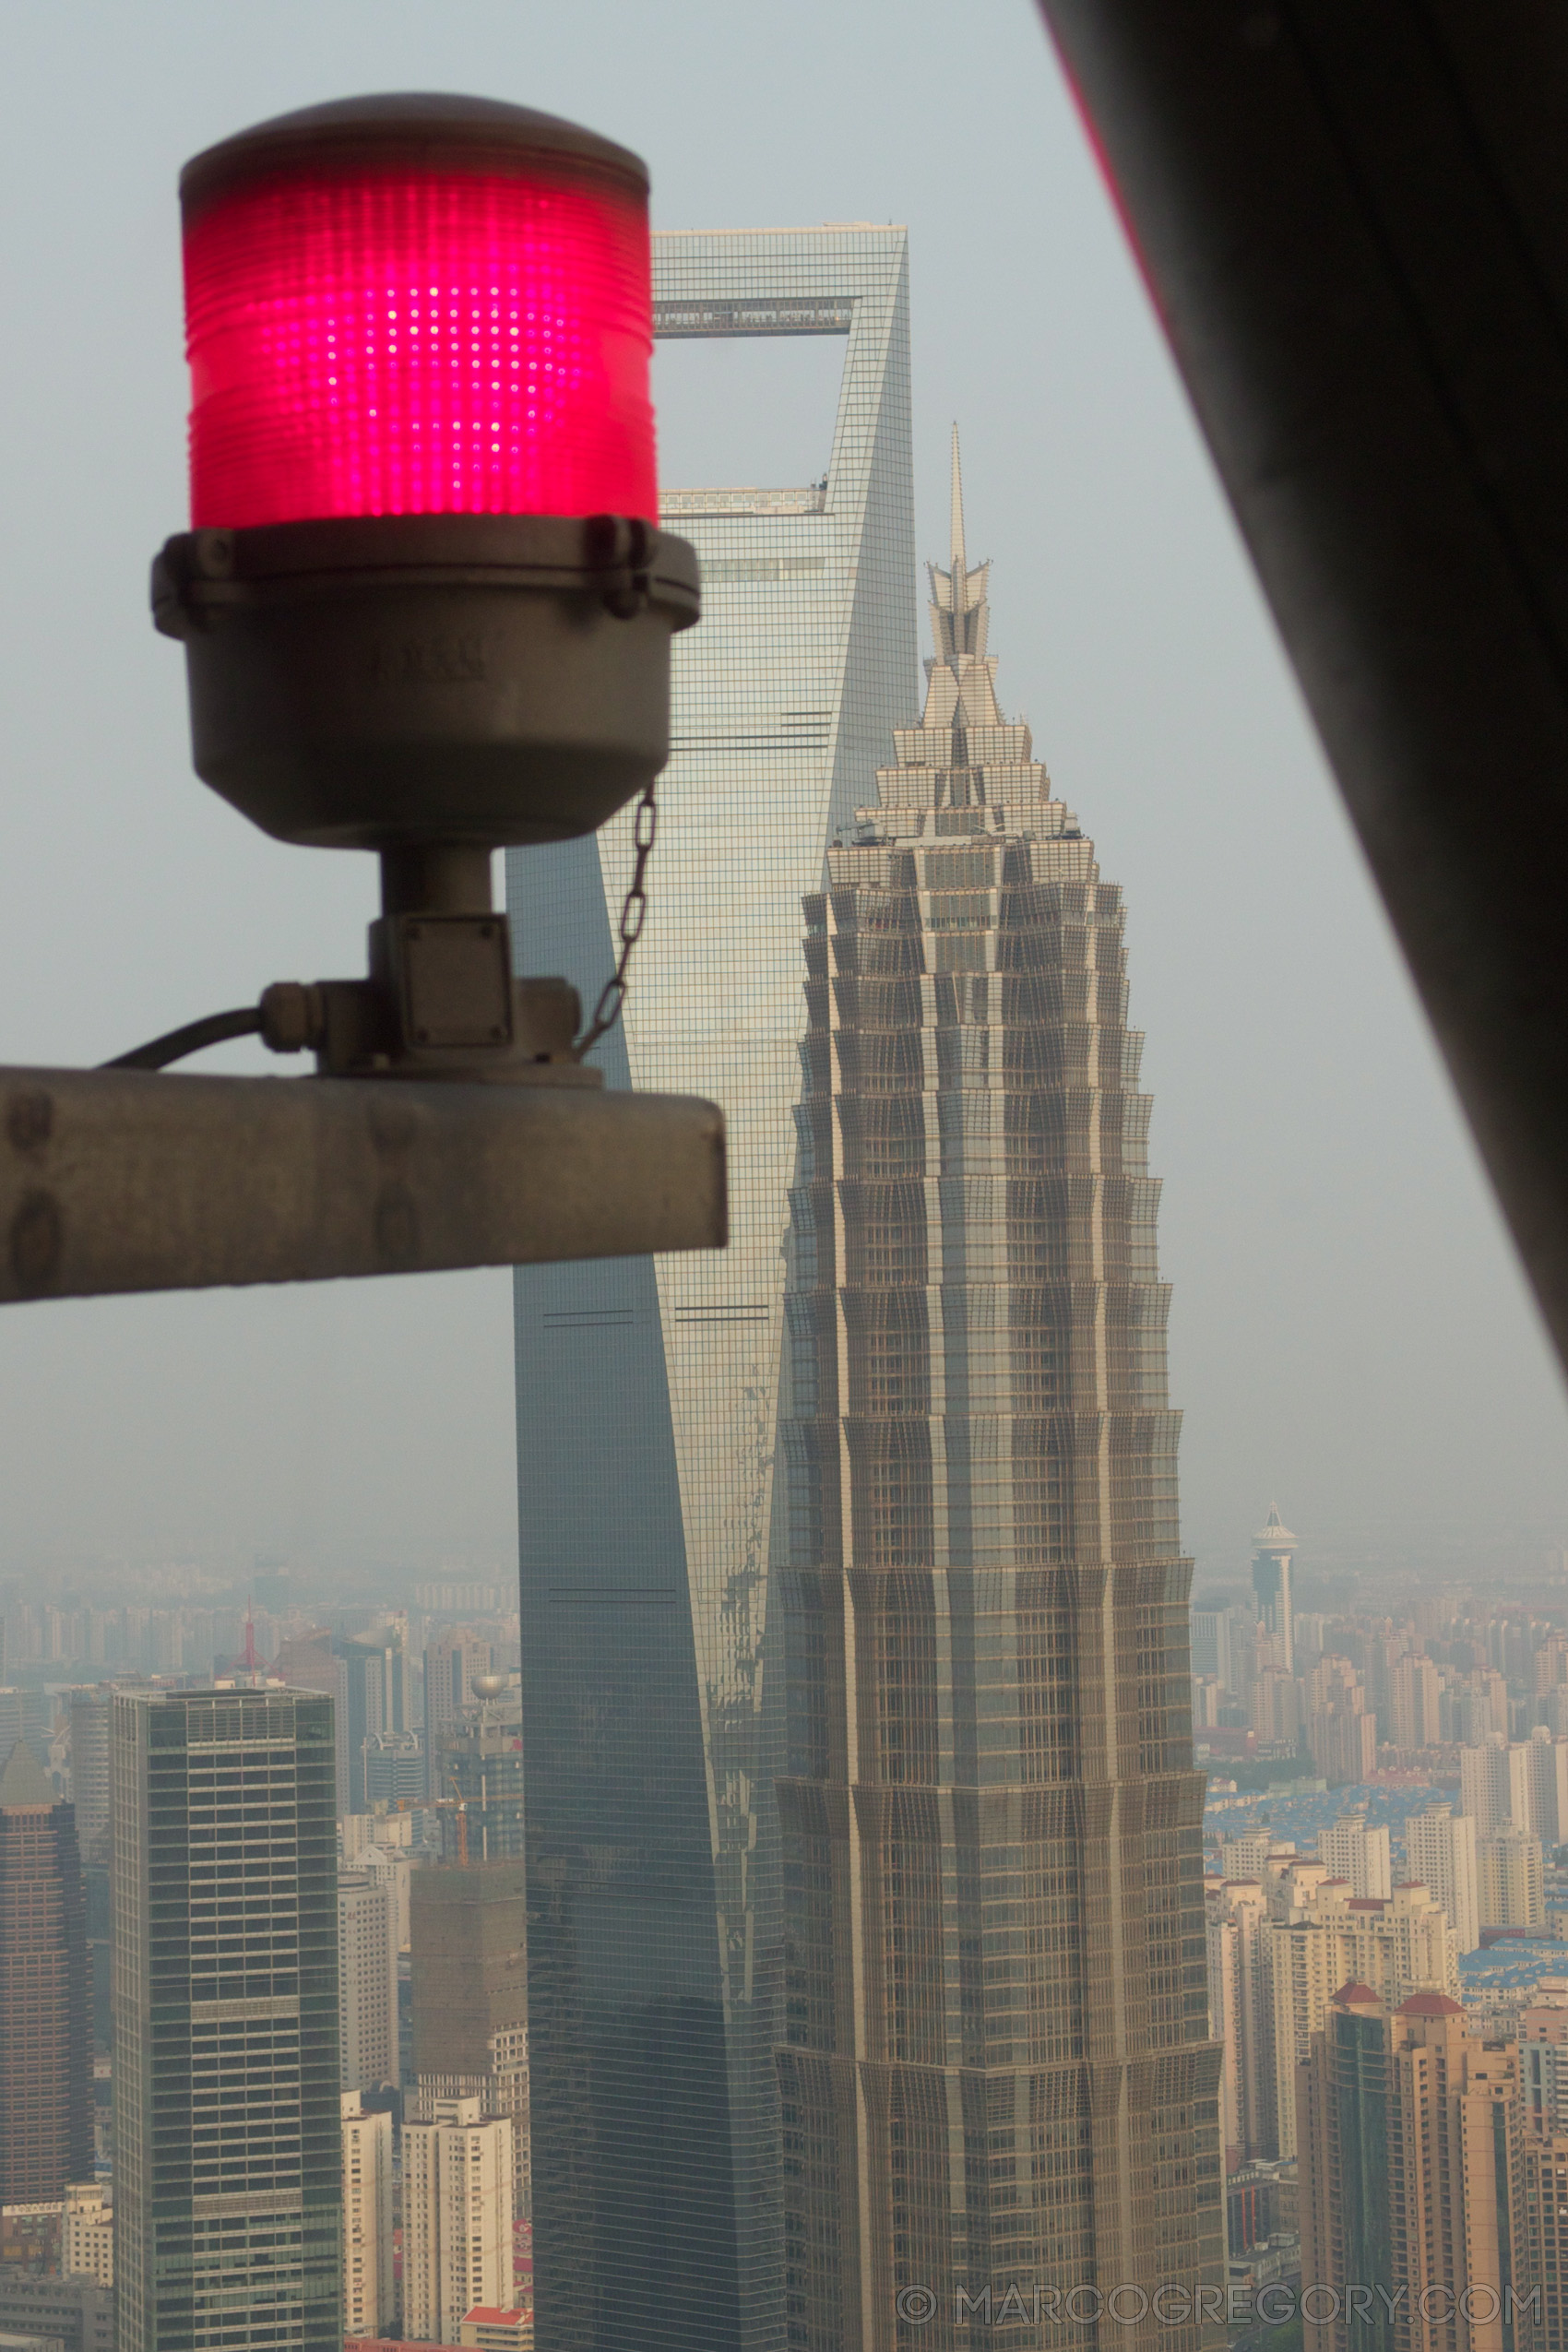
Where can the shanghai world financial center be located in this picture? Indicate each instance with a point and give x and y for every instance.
(865, 1909)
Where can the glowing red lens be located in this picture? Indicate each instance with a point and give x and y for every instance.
(400, 341)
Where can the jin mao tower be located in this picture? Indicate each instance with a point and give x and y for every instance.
(997, 2074)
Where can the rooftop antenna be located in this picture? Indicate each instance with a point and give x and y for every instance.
(956, 519)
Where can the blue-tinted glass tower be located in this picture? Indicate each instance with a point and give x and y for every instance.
(647, 1390)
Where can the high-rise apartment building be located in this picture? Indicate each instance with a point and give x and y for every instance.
(997, 2061)
(1275, 1708)
(1325, 1937)
(1412, 2176)
(457, 2218)
(86, 2233)
(1544, 2200)
(367, 1985)
(469, 1940)
(650, 1724)
(1211, 1646)
(1274, 1549)
(367, 2220)
(1537, 1786)
(1241, 2016)
(227, 2189)
(1244, 1856)
(89, 1767)
(1510, 1879)
(1416, 1695)
(392, 1867)
(1355, 1851)
(1439, 1850)
(1543, 2058)
(1341, 1728)
(1524, 1782)
(45, 2001)
(1485, 1785)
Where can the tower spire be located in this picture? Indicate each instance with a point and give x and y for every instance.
(956, 515)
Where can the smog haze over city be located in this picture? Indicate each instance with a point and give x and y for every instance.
(1349, 1331)
(1004, 1739)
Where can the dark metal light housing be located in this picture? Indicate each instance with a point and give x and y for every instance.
(424, 600)
(485, 679)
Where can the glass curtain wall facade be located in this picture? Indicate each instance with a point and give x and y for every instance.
(228, 2170)
(647, 1390)
(998, 2081)
(45, 1997)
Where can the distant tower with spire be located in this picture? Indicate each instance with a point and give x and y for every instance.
(998, 2071)
(1274, 1548)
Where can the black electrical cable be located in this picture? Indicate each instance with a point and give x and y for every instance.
(162, 1051)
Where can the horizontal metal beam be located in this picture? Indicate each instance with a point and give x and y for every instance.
(121, 1180)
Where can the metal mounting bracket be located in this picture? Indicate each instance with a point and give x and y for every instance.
(124, 1180)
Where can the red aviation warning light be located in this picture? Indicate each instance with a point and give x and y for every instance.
(465, 331)
(426, 610)
(423, 598)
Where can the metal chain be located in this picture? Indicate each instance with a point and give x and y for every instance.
(634, 912)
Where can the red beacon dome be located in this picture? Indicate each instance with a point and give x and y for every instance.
(417, 305)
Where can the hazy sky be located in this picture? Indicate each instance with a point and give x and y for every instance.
(1350, 1334)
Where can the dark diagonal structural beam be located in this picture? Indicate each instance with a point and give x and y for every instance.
(1353, 216)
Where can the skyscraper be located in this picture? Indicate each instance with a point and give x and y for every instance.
(1510, 1879)
(379, 1698)
(1323, 1936)
(1439, 1850)
(1412, 2180)
(457, 2218)
(479, 1760)
(367, 1983)
(1524, 1782)
(647, 1391)
(307, 1662)
(1273, 1549)
(228, 2194)
(45, 2008)
(367, 2220)
(469, 1940)
(451, 1661)
(1240, 2013)
(998, 2071)
(89, 1766)
(1359, 1854)
(86, 2233)
(1341, 1728)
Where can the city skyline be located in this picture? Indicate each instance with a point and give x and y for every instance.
(1315, 1358)
(870, 1874)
